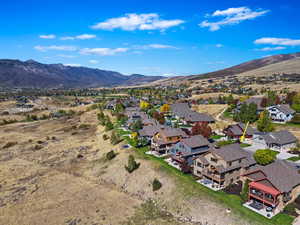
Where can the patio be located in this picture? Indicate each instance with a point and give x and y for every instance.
(210, 184)
(173, 163)
(260, 209)
(156, 154)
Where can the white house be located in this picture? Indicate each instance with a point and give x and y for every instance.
(281, 113)
(279, 140)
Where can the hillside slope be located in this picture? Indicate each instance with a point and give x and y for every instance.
(253, 65)
(32, 74)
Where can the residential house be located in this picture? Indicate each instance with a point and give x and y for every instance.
(185, 151)
(165, 138)
(278, 140)
(281, 113)
(237, 130)
(223, 166)
(148, 132)
(182, 112)
(272, 187)
(111, 105)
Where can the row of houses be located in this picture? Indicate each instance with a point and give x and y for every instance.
(219, 167)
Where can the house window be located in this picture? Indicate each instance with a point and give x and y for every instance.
(199, 165)
(229, 163)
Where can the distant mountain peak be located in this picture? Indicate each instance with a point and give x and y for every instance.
(32, 74)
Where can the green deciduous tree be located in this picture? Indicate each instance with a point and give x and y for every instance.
(264, 123)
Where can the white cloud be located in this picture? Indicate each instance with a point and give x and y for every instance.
(55, 47)
(219, 45)
(133, 21)
(154, 46)
(102, 51)
(66, 56)
(232, 16)
(73, 64)
(47, 36)
(271, 48)
(93, 61)
(79, 37)
(278, 41)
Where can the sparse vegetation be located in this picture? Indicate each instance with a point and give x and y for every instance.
(132, 164)
(156, 185)
(110, 155)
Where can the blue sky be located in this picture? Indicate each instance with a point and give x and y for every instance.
(168, 37)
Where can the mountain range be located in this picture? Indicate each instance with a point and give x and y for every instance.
(32, 74)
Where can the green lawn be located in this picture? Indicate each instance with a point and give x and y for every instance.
(216, 137)
(288, 124)
(244, 145)
(294, 158)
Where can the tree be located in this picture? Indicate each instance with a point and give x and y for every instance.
(156, 185)
(110, 155)
(136, 126)
(245, 190)
(114, 139)
(264, 156)
(108, 125)
(119, 108)
(132, 164)
(144, 105)
(264, 102)
(202, 128)
(247, 113)
(165, 108)
(289, 97)
(264, 123)
(296, 103)
(159, 117)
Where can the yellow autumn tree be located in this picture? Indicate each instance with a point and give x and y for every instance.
(144, 105)
(165, 108)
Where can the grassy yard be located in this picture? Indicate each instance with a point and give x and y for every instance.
(244, 145)
(216, 137)
(294, 158)
(288, 124)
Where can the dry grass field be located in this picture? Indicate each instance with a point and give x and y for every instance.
(54, 173)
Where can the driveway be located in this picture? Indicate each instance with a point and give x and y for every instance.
(256, 146)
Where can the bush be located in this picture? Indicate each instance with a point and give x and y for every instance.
(105, 137)
(265, 156)
(156, 185)
(132, 164)
(9, 144)
(290, 209)
(84, 126)
(115, 139)
(110, 155)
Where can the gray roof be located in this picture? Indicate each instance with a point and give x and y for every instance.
(230, 152)
(180, 107)
(172, 132)
(150, 131)
(198, 117)
(279, 137)
(195, 141)
(281, 174)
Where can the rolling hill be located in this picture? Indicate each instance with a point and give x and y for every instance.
(32, 74)
(274, 64)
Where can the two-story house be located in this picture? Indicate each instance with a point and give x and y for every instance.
(220, 167)
(281, 113)
(272, 187)
(165, 138)
(185, 151)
